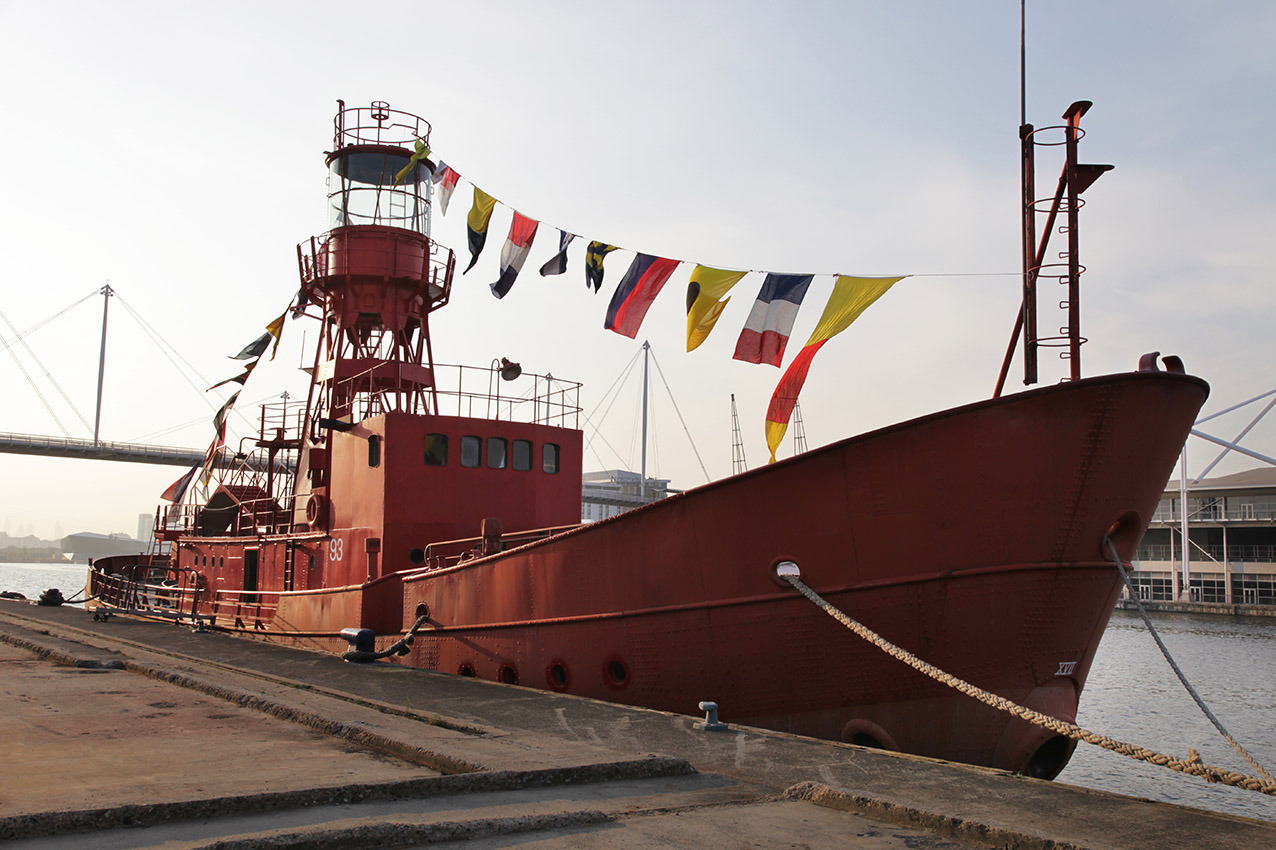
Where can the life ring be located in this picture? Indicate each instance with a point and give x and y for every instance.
(316, 511)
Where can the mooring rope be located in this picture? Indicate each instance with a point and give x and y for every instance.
(1134, 595)
(1191, 765)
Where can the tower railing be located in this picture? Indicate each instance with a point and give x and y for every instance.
(377, 124)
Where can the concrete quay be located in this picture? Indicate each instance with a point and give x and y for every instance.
(1222, 609)
(131, 733)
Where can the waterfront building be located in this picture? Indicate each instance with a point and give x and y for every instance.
(1231, 522)
(613, 491)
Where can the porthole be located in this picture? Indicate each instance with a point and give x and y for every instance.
(556, 676)
(507, 674)
(617, 673)
(417, 556)
(466, 670)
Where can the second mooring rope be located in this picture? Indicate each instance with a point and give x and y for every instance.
(1191, 765)
(1125, 577)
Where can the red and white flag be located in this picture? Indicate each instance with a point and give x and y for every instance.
(445, 180)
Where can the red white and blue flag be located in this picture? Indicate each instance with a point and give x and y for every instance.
(514, 252)
(766, 332)
(640, 286)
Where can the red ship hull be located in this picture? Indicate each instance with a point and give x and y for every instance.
(973, 538)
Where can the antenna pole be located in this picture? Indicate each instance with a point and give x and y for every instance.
(646, 353)
(1023, 66)
(107, 292)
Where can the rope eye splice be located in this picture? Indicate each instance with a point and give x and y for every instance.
(363, 642)
(790, 572)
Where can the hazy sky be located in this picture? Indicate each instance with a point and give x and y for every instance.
(176, 152)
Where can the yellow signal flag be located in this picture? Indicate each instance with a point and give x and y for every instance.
(851, 296)
(420, 155)
(706, 301)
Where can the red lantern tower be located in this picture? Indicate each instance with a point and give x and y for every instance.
(376, 273)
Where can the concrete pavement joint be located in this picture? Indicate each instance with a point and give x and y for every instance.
(403, 834)
(86, 638)
(948, 826)
(311, 720)
(91, 820)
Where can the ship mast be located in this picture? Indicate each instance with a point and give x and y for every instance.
(1075, 179)
(646, 355)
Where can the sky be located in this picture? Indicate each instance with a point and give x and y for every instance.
(175, 152)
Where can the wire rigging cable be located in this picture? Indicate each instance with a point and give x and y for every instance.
(30, 380)
(613, 392)
(165, 348)
(50, 318)
(685, 429)
(1125, 577)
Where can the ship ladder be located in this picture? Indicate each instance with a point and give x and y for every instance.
(1192, 765)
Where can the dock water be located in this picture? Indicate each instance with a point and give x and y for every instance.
(130, 733)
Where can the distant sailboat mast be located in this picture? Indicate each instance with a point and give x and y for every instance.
(799, 430)
(738, 462)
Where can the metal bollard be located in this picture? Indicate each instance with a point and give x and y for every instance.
(710, 722)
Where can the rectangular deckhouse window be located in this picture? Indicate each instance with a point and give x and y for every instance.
(549, 457)
(436, 449)
(522, 456)
(471, 451)
(496, 449)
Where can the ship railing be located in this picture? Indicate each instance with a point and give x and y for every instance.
(175, 521)
(429, 271)
(153, 589)
(482, 391)
(237, 517)
(282, 424)
(245, 516)
(448, 553)
(470, 391)
(245, 608)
